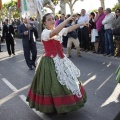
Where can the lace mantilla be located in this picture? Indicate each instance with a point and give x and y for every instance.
(68, 74)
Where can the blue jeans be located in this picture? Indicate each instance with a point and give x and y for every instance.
(109, 45)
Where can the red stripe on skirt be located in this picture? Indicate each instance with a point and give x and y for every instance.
(57, 101)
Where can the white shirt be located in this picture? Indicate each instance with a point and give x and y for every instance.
(83, 19)
(107, 21)
(46, 35)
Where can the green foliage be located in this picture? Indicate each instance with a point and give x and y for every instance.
(95, 10)
(55, 2)
(115, 7)
(5, 9)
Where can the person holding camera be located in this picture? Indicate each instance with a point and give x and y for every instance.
(29, 35)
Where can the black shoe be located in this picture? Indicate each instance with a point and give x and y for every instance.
(94, 51)
(34, 65)
(1, 51)
(13, 53)
(86, 50)
(110, 55)
(30, 68)
(79, 55)
(63, 114)
(105, 54)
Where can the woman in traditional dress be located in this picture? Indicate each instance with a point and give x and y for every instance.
(56, 86)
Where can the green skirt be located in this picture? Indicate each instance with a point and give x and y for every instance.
(47, 95)
(118, 74)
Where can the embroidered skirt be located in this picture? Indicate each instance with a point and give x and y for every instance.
(48, 95)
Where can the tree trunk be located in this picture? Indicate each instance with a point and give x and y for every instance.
(63, 6)
(103, 3)
(53, 10)
(119, 3)
(40, 27)
(71, 9)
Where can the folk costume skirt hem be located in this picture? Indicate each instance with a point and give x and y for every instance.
(47, 95)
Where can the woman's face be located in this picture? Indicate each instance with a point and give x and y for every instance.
(50, 21)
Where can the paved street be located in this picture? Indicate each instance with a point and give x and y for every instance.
(97, 75)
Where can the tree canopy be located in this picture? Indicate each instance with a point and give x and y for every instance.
(14, 10)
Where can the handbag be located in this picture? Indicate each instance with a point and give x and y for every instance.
(116, 31)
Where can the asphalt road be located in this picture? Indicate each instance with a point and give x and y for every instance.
(97, 75)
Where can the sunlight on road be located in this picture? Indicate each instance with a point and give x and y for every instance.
(7, 56)
(10, 96)
(113, 97)
(89, 80)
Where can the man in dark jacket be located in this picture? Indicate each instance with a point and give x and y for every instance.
(8, 34)
(26, 31)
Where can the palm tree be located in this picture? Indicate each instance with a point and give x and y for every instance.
(63, 6)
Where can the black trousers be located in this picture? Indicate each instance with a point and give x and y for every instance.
(79, 36)
(10, 46)
(84, 38)
(30, 53)
(101, 35)
(65, 40)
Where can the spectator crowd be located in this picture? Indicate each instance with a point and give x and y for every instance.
(101, 35)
